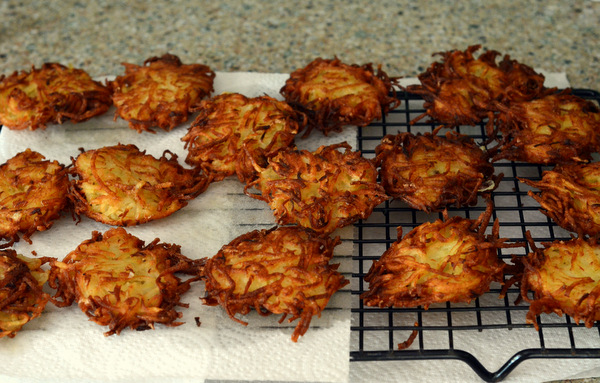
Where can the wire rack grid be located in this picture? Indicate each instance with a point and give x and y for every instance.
(487, 328)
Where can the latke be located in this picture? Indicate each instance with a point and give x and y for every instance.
(33, 192)
(321, 190)
(120, 282)
(161, 93)
(121, 185)
(557, 128)
(570, 196)
(334, 94)
(283, 270)
(431, 172)
(564, 278)
(51, 94)
(21, 296)
(464, 90)
(232, 133)
(450, 260)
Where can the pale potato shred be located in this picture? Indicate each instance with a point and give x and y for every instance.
(121, 185)
(52, 94)
(235, 134)
(33, 193)
(334, 94)
(120, 282)
(283, 270)
(161, 93)
(21, 296)
(322, 190)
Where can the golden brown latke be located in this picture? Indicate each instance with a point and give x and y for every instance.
(450, 260)
(570, 196)
(564, 277)
(283, 270)
(120, 282)
(463, 90)
(554, 129)
(161, 93)
(121, 185)
(430, 172)
(51, 94)
(232, 133)
(334, 94)
(322, 190)
(33, 192)
(21, 296)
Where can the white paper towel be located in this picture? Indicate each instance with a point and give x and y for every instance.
(63, 346)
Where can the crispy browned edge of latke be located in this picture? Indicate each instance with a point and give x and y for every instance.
(319, 224)
(489, 242)
(76, 107)
(458, 190)
(50, 210)
(511, 124)
(556, 203)
(161, 117)
(243, 304)
(545, 304)
(522, 83)
(23, 286)
(327, 119)
(247, 159)
(63, 276)
(200, 183)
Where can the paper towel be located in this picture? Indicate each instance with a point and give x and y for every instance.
(63, 346)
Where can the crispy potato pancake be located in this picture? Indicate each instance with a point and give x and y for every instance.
(430, 172)
(161, 93)
(554, 129)
(564, 277)
(33, 192)
(51, 94)
(21, 296)
(283, 270)
(232, 133)
(121, 185)
(570, 196)
(120, 282)
(463, 90)
(322, 190)
(450, 260)
(334, 94)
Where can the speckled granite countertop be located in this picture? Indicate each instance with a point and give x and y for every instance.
(280, 36)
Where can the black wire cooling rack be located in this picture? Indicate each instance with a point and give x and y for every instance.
(451, 331)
